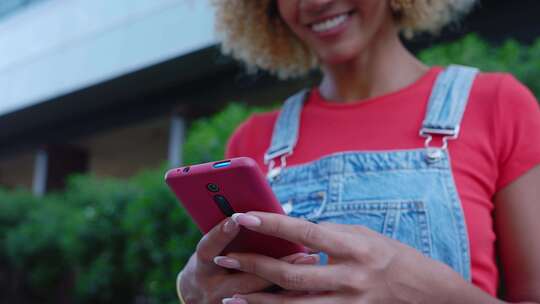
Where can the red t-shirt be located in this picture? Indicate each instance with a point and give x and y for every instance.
(499, 141)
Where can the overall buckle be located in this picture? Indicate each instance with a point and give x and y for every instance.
(435, 153)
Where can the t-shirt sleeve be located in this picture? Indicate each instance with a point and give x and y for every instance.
(517, 131)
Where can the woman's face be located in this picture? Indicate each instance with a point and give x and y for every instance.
(338, 30)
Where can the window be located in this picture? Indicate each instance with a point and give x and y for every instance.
(7, 7)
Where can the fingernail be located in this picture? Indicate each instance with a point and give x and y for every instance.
(227, 262)
(308, 259)
(246, 220)
(234, 301)
(230, 226)
(296, 256)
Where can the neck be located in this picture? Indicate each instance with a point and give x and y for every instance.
(383, 67)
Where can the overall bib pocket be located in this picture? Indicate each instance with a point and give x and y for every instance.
(402, 220)
(405, 221)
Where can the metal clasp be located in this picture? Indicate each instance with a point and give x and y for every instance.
(273, 171)
(434, 154)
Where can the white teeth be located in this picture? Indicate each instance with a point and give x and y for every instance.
(329, 24)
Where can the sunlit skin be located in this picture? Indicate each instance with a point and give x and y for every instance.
(361, 58)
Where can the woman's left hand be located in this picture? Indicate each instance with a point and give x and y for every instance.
(365, 267)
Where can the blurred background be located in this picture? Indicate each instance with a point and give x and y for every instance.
(98, 98)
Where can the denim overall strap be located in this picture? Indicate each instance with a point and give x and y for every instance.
(448, 101)
(286, 131)
(445, 110)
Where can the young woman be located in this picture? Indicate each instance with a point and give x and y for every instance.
(412, 181)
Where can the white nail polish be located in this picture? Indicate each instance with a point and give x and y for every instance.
(226, 262)
(246, 220)
(235, 216)
(233, 301)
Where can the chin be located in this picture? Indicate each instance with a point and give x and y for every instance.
(334, 58)
(341, 53)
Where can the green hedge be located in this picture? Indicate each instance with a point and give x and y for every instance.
(105, 240)
(120, 241)
(512, 57)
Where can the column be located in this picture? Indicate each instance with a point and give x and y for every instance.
(54, 164)
(41, 168)
(176, 140)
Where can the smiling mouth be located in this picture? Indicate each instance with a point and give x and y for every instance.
(331, 23)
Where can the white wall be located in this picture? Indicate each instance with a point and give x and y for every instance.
(59, 46)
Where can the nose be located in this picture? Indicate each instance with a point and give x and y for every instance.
(316, 5)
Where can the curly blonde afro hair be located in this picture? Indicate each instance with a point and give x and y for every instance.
(253, 32)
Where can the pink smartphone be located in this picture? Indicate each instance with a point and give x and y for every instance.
(211, 192)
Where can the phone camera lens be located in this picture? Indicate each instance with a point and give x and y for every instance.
(212, 187)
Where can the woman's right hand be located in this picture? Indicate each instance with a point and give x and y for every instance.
(203, 282)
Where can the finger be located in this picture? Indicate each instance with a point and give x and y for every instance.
(244, 283)
(302, 258)
(335, 243)
(311, 250)
(215, 241)
(310, 259)
(248, 283)
(285, 275)
(293, 257)
(338, 227)
(357, 230)
(269, 298)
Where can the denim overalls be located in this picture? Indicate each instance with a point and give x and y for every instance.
(408, 195)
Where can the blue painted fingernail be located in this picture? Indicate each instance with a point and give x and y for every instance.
(227, 262)
(246, 220)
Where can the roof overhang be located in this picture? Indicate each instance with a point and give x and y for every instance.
(54, 48)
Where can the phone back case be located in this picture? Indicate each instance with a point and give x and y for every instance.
(245, 188)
